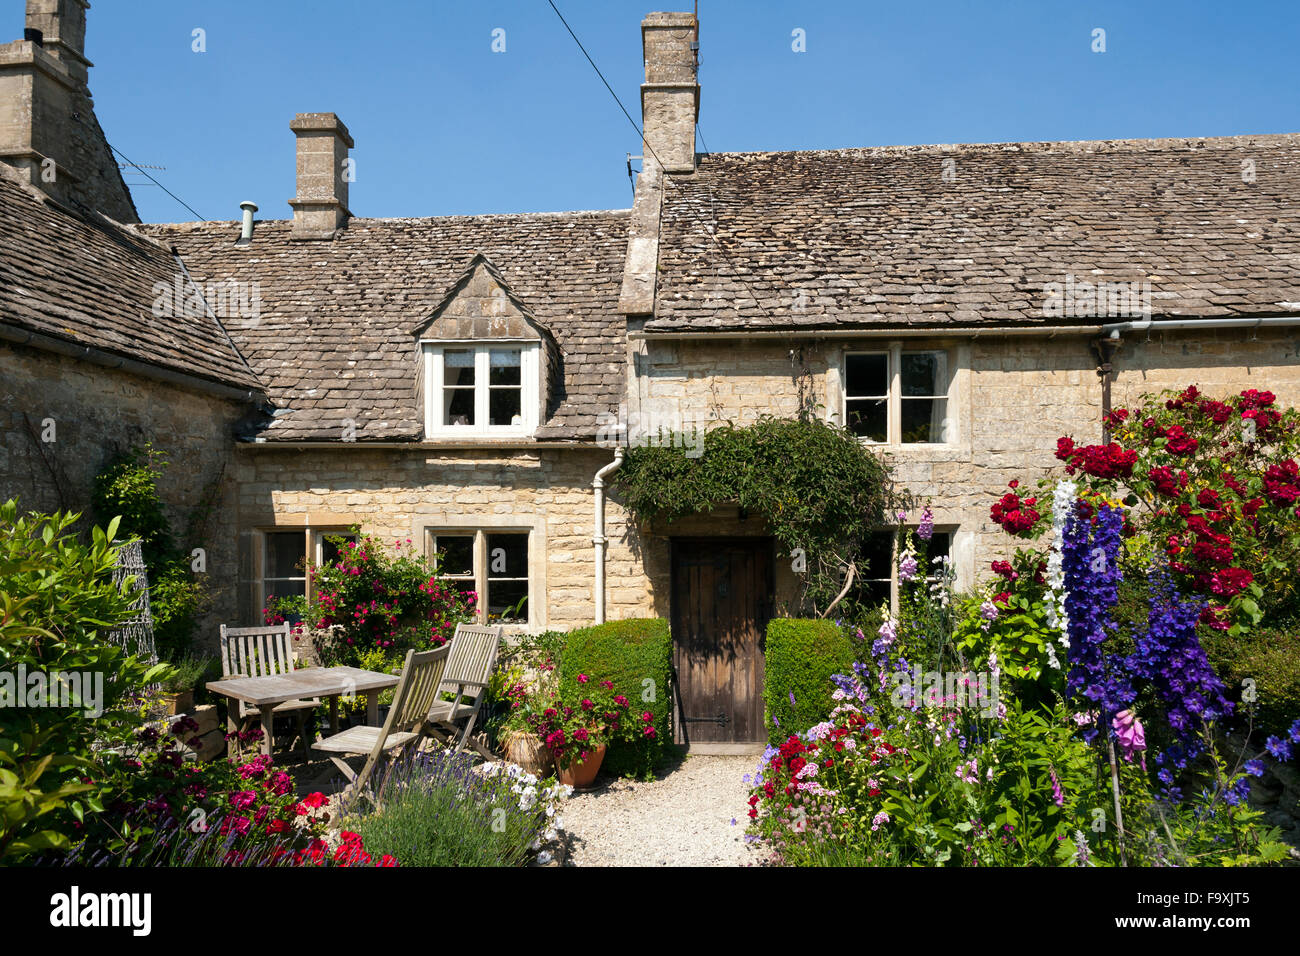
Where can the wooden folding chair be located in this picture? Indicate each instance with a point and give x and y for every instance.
(469, 667)
(264, 652)
(408, 720)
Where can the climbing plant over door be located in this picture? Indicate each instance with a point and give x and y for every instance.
(821, 492)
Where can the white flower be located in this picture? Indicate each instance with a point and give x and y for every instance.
(544, 857)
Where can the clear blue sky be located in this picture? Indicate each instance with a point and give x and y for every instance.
(445, 126)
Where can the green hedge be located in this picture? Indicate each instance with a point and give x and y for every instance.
(802, 655)
(636, 655)
(1270, 657)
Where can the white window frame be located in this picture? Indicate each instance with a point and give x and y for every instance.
(530, 392)
(894, 405)
(482, 561)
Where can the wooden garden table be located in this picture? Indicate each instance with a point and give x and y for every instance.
(265, 692)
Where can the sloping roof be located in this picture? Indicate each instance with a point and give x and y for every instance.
(863, 237)
(335, 340)
(90, 281)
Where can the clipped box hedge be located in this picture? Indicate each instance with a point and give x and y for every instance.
(636, 655)
(801, 656)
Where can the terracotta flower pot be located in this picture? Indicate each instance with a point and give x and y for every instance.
(528, 752)
(580, 776)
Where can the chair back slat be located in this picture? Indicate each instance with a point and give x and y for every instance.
(256, 651)
(473, 652)
(415, 692)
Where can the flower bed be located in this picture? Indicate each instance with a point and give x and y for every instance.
(1069, 713)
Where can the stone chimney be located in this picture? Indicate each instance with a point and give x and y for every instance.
(48, 129)
(321, 206)
(63, 28)
(670, 96)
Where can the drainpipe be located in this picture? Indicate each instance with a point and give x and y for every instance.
(598, 539)
(1110, 341)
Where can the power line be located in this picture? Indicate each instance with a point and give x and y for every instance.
(707, 228)
(156, 183)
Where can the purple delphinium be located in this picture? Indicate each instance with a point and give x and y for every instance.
(1090, 552)
(1278, 747)
(1169, 655)
(1295, 731)
(1254, 767)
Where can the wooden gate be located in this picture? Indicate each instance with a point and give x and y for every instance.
(721, 602)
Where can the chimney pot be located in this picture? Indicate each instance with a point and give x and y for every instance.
(321, 206)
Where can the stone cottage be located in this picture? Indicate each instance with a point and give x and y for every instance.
(466, 383)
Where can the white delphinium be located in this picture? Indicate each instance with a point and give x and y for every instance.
(1062, 500)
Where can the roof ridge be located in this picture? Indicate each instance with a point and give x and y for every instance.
(1042, 146)
(364, 220)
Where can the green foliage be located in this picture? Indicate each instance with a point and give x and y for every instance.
(1270, 658)
(128, 488)
(527, 668)
(58, 601)
(800, 658)
(636, 655)
(815, 484)
(189, 670)
(432, 810)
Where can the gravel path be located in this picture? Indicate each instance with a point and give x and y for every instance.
(683, 819)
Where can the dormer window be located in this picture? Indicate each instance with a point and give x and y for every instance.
(481, 389)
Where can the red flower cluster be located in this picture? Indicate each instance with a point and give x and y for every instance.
(1168, 482)
(1100, 461)
(1179, 442)
(1282, 483)
(1014, 515)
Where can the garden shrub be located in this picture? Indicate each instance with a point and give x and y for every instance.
(433, 809)
(636, 656)
(128, 489)
(58, 601)
(1270, 657)
(802, 655)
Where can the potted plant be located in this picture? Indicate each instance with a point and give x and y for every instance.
(520, 740)
(178, 690)
(577, 727)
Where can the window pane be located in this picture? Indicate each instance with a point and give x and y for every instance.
(459, 406)
(873, 593)
(922, 374)
(281, 590)
(458, 366)
(868, 418)
(285, 554)
(506, 367)
(505, 406)
(508, 600)
(923, 419)
(866, 375)
(878, 557)
(455, 554)
(507, 556)
(940, 547)
(329, 550)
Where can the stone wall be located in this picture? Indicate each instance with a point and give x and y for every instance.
(1011, 398)
(397, 494)
(93, 413)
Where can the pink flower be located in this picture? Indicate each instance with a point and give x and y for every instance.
(583, 678)
(1129, 733)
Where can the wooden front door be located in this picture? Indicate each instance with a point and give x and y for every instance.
(722, 599)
